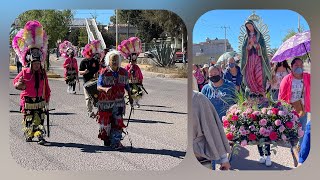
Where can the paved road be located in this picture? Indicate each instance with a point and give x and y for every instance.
(158, 131)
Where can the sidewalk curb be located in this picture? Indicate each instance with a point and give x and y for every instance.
(50, 74)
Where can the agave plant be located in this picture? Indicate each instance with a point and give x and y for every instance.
(163, 54)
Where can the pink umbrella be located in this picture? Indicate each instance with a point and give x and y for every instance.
(297, 45)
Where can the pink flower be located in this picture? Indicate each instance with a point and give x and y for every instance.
(277, 122)
(263, 122)
(300, 133)
(282, 128)
(256, 113)
(238, 112)
(226, 123)
(235, 118)
(262, 130)
(244, 114)
(266, 133)
(284, 137)
(243, 132)
(252, 128)
(270, 128)
(269, 112)
(241, 128)
(232, 128)
(295, 118)
(249, 110)
(224, 118)
(264, 110)
(243, 143)
(281, 113)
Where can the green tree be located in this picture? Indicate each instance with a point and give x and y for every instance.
(153, 23)
(83, 37)
(74, 36)
(54, 22)
(290, 33)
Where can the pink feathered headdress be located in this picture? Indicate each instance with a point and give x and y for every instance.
(31, 36)
(91, 49)
(64, 47)
(129, 47)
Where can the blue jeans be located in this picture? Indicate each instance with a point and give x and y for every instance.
(303, 121)
(305, 145)
(274, 94)
(213, 162)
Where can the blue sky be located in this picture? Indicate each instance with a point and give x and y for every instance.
(103, 16)
(278, 21)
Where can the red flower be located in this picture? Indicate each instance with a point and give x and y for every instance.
(295, 113)
(235, 118)
(273, 136)
(229, 136)
(252, 116)
(275, 111)
(289, 124)
(252, 137)
(226, 123)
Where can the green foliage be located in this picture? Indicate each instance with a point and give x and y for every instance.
(290, 33)
(164, 55)
(109, 39)
(73, 36)
(83, 37)
(55, 22)
(152, 23)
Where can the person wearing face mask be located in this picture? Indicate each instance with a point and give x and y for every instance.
(295, 89)
(279, 71)
(112, 84)
(219, 91)
(233, 73)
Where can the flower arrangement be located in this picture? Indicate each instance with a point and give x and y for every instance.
(249, 124)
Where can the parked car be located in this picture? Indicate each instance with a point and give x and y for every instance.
(179, 57)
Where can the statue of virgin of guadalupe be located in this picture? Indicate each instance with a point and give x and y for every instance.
(254, 64)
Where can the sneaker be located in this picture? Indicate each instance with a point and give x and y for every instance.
(268, 161)
(262, 160)
(91, 114)
(107, 143)
(29, 139)
(138, 105)
(118, 146)
(42, 141)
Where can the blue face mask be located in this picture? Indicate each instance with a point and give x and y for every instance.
(232, 65)
(298, 70)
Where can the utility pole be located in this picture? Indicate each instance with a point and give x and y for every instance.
(128, 27)
(225, 37)
(116, 28)
(299, 28)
